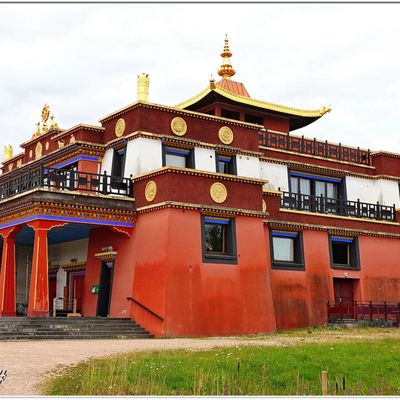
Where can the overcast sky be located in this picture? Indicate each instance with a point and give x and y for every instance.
(83, 61)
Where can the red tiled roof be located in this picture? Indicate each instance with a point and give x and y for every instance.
(233, 87)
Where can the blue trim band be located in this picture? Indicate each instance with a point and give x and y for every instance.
(179, 152)
(67, 219)
(216, 221)
(342, 240)
(74, 160)
(288, 235)
(318, 178)
(225, 159)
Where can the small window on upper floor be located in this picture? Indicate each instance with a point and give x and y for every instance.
(254, 119)
(287, 250)
(344, 252)
(230, 114)
(178, 157)
(225, 164)
(118, 162)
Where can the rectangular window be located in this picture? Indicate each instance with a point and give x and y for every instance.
(118, 162)
(218, 240)
(225, 164)
(178, 157)
(344, 252)
(230, 114)
(287, 250)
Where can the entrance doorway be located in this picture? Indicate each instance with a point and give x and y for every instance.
(78, 282)
(104, 296)
(344, 291)
(52, 291)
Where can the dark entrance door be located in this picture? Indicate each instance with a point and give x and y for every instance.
(106, 275)
(52, 291)
(344, 291)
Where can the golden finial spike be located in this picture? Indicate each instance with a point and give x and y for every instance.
(226, 70)
(37, 132)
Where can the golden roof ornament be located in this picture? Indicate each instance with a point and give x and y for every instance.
(45, 117)
(212, 83)
(37, 132)
(143, 83)
(53, 123)
(226, 70)
(8, 152)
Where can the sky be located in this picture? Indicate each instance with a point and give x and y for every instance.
(83, 60)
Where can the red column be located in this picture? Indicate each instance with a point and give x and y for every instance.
(39, 287)
(7, 273)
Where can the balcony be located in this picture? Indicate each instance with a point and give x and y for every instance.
(314, 147)
(339, 206)
(62, 180)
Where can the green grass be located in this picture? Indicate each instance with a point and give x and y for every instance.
(368, 367)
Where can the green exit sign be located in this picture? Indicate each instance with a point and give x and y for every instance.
(95, 289)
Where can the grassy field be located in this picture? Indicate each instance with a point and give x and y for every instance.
(358, 368)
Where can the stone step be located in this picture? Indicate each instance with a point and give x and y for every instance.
(23, 328)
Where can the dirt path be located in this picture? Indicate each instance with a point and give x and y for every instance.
(27, 363)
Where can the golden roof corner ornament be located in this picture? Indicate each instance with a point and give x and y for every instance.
(212, 83)
(325, 110)
(53, 123)
(37, 132)
(226, 70)
(8, 152)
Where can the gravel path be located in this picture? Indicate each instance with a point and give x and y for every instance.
(27, 363)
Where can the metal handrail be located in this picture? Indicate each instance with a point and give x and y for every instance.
(64, 179)
(145, 308)
(338, 206)
(314, 147)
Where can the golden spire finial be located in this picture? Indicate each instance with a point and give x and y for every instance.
(226, 70)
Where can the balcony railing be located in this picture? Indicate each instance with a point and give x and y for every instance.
(64, 179)
(314, 147)
(338, 206)
(381, 311)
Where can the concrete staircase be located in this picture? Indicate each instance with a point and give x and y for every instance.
(23, 328)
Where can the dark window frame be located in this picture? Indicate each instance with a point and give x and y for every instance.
(298, 264)
(354, 253)
(340, 183)
(232, 166)
(189, 156)
(231, 247)
(118, 162)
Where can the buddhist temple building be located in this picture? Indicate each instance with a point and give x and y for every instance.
(210, 217)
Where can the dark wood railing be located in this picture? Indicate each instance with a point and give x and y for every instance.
(314, 147)
(338, 206)
(64, 179)
(370, 311)
(145, 308)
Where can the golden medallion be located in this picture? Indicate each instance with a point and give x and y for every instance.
(264, 206)
(120, 127)
(218, 192)
(225, 135)
(38, 150)
(150, 191)
(179, 126)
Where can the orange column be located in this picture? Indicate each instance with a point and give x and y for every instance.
(7, 273)
(39, 287)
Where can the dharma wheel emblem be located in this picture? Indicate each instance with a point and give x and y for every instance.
(150, 191)
(120, 127)
(218, 192)
(225, 135)
(179, 126)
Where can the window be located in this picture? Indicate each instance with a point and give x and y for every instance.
(344, 252)
(178, 157)
(218, 240)
(230, 114)
(287, 250)
(118, 162)
(316, 193)
(225, 164)
(254, 119)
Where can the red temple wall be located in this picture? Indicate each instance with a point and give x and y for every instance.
(379, 260)
(213, 299)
